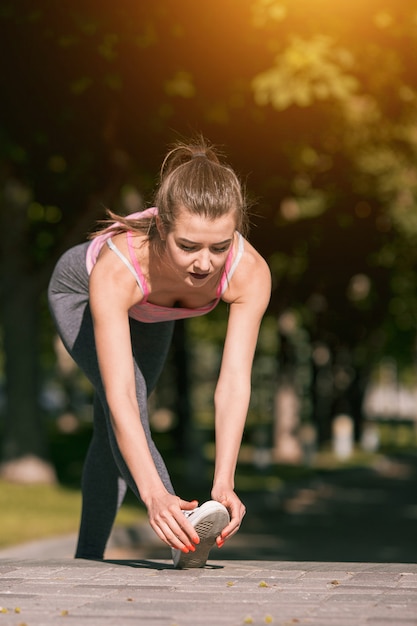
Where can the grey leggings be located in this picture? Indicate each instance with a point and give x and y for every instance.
(105, 474)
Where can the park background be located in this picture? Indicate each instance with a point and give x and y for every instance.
(314, 104)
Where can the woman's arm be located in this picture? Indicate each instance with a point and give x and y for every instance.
(112, 293)
(249, 294)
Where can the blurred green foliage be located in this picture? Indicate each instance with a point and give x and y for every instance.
(315, 104)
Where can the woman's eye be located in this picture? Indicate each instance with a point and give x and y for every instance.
(194, 248)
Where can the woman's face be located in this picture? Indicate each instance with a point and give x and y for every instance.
(198, 247)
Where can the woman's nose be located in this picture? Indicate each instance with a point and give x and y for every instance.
(202, 262)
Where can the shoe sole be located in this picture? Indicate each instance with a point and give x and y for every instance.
(208, 529)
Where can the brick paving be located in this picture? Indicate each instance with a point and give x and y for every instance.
(225, 593)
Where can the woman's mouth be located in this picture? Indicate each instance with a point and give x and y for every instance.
(198, 276)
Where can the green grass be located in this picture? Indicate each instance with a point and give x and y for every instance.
(30, 512)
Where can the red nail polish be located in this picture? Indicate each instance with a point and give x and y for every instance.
(185, 550)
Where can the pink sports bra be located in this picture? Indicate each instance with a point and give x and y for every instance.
(145, 311)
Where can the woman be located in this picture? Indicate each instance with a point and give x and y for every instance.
(115, 300)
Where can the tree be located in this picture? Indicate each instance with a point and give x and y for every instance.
(316, 102)
(347, 88)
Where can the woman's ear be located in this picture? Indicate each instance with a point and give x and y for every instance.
(161, 228)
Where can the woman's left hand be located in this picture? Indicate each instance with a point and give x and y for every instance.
(236, 509)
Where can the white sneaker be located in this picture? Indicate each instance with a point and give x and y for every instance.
(209, 519)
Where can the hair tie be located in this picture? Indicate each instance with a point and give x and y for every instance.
(198, 154)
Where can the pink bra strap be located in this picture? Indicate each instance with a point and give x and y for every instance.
(229, 268)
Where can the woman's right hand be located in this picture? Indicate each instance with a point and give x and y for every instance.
(167, 519)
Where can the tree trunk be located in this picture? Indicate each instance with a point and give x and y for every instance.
(23, 432)
(24, 435)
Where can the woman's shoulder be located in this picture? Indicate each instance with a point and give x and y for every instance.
(122, 250)
(252, 260)
(128, 243)
(251, 277)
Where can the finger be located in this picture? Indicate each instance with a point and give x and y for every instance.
(230, 530)
(187, 505)
(172, 534)
(189, 530)
(159, 533)
(182, 528)
(225, 536)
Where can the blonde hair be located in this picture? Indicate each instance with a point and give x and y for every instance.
(192, 176)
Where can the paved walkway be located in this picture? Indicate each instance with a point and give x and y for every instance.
(340, 550)
(225, 593)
